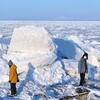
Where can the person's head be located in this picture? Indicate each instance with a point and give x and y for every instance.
(10, 63)
(85, 56)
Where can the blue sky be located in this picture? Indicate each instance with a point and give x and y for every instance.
(49, 9)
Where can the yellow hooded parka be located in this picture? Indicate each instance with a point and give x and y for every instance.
(13, 74)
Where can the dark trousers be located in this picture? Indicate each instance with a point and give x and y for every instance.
(13, 88)
(82, 78)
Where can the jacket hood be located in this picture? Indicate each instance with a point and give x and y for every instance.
(10, 63)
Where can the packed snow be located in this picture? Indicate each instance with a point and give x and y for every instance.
(47, 55)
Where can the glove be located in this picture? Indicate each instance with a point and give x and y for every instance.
(9, 81)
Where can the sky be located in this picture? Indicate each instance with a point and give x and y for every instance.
(50, 10)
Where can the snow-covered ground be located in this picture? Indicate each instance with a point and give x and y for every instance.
(47, 63)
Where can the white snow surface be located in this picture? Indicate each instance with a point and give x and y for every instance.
(47, 55)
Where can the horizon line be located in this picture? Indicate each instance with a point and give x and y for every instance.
(46, 20)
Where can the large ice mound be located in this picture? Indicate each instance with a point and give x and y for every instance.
(30, 39)
(30, 44)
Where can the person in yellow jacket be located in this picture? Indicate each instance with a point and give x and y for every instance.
(13, 78)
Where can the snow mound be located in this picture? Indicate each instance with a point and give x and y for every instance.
(30, 39)
(93, 60)
(68, 49)
(30, 44)
(49, 74)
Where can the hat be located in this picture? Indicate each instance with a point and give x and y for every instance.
(85, 54)
(10, 63)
